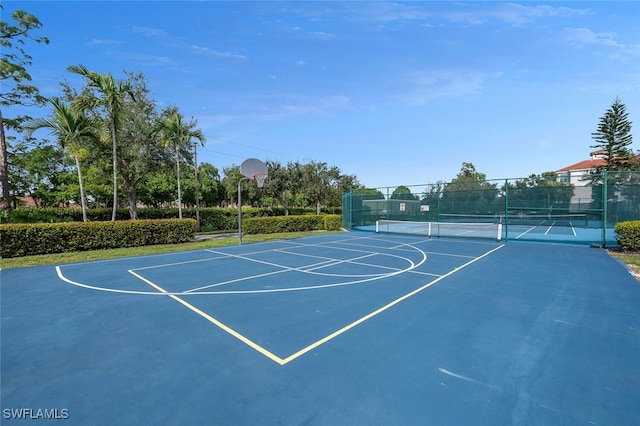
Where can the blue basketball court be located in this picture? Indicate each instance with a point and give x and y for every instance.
(355, 328)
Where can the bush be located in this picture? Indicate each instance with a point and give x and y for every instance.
(271, 225)
(45, 238)
(332, 222)
(212, 219)
(628, 235)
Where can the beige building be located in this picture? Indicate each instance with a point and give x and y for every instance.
(575, 173)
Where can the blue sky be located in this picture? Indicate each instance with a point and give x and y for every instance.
(396, 93)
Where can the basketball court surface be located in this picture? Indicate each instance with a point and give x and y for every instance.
(343, 329)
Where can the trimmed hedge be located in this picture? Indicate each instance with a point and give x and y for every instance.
(212, 219)
(271, 225)
(628, 235)
(332, 222)
(45, 238)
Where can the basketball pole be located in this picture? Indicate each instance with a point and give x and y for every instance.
(240, 209)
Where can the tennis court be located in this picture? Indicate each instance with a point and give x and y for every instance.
(353, 328)
(541, 228)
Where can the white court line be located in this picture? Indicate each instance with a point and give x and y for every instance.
(348, 242)
(186, 262)
(308, 270)
(352, 261)
(438, 253)
(304, 269)
(526, 232)
(549, 228)
(237, 280)
(286, 269)
(397, 247)
(468, 379)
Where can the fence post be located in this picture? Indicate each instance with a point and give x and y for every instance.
(388, 204)
(506, 209)
(438, 203)
(604, 207)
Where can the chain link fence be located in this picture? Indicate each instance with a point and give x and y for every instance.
(581, 210)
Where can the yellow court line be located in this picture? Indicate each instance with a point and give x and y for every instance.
(382, 309)
(324, 340)
(211, 319)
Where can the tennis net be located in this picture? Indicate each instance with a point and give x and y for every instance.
(441, 229)
(522, 218)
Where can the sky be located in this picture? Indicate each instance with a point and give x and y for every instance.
(395, 93)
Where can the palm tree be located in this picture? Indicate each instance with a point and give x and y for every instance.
(72, 131)
(173, 131)
(112, 99)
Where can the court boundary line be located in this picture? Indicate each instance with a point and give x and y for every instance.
(282, 269)
(304, 269)
(283, 361)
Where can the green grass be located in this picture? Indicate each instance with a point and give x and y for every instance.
(74, 257)
(631, 259)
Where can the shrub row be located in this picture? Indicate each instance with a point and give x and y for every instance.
(211, 218)
(628, 235)
(271, 225)
(44, 238)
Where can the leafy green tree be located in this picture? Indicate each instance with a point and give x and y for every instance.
(174, 132)
(211, 191)
(158, 189)
(282, 183)
(344, 183)
(403, 193)
(613, 137)
(140, 153)
(540, 193)
(74, 132)
(431, 198)
(469, 193)
(232, 176)
(37, 173)
(16, 83)
(318, 179)
(369, 193)
(109, 94)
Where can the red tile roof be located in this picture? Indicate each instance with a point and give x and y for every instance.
(584, 165)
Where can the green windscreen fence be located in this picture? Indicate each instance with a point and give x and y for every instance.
(547, 208)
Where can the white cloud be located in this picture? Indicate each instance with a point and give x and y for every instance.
(148, 31)
(583, 36)
(473, 13)
(217, 53)
(284, 106)
(518, 14)
(147, 60)
(423, 86)
(96, 41)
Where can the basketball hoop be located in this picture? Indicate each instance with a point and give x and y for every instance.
(260, 178)
(253, 169)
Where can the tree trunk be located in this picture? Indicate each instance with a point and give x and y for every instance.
(115, 171)
(178, 171)
(83, 200)
(132, 196)
(129, 185)
(4, 168)
(196, 188)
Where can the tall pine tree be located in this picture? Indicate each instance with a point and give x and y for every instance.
(16, 83)
(613, 136)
